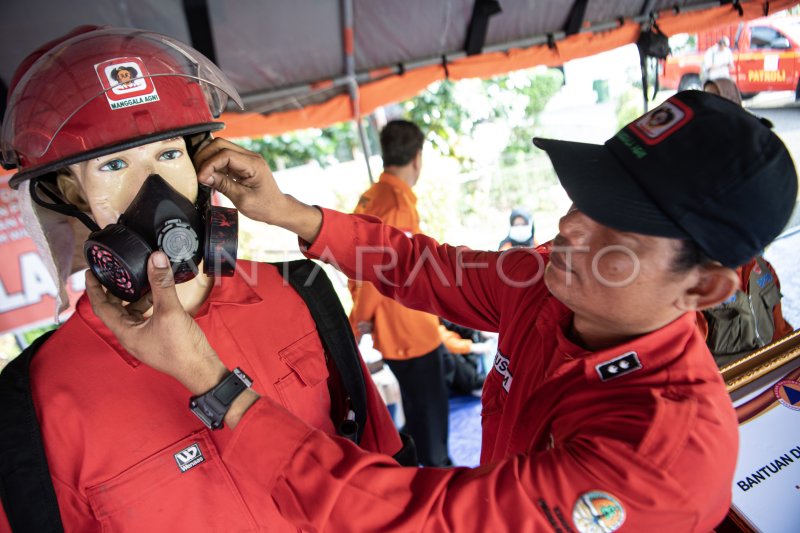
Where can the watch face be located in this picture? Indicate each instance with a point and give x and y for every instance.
(207, 418)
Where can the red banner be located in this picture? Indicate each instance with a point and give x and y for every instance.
(27, 292)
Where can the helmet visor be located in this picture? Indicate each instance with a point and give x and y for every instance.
(118, 67)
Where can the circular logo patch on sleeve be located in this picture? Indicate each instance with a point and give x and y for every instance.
(597, 512)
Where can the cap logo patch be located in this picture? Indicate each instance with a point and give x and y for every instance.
(661, 122)
(619, 366)
(597, 512)
(126, 82)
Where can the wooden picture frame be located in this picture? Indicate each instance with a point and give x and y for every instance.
(765, 389)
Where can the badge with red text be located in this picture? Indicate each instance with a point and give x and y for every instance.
(126, 82)
(597, 512)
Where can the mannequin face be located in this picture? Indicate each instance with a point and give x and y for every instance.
(109, 183)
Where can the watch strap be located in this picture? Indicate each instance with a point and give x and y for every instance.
(212, 406)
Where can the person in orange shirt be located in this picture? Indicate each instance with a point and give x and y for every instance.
(465, 370)
(409, 340)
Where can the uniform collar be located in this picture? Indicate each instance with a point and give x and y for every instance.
(397, 183)
(225, 291)
(640, 356)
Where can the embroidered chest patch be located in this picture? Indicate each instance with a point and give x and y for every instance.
(189, 457)
(501, 366)
(598, 512)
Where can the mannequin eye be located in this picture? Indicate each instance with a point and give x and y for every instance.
(114, 165)
(170, 155)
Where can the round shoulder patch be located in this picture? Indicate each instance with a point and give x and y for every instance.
(788, 393)
(597, 512)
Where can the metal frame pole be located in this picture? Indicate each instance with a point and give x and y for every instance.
(348, 43)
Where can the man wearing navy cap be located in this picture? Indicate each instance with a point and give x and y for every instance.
(604, 408)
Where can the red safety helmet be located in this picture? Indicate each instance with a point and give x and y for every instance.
(97, 91)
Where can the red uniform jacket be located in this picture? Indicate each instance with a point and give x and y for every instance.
(124, 451)
(640, 437)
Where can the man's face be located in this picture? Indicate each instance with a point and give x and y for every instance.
(621, 282)
(110, 183)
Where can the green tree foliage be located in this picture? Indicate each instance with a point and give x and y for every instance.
(323, 146)
(443, 118)
(447, 112)
(450, 114)
(534, 91)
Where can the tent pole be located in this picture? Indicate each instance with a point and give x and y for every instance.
(362, 136)
(348, 42)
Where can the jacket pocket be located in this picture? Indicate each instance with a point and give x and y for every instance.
(304, 388)
(183, 487)
(731, 328)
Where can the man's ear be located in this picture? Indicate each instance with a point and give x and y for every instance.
(715, 284)
(71, 190)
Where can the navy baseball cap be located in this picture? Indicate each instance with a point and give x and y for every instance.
(696, 167)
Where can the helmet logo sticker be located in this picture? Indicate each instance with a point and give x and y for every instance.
(126, 82)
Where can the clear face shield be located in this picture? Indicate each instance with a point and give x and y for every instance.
(106, 87)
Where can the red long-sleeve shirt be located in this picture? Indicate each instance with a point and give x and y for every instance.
(123, 449)
(641, 437)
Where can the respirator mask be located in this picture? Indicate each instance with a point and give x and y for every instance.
(158, 218)
(520, 233)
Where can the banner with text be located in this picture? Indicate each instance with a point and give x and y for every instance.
(766, 486)
(27, 292)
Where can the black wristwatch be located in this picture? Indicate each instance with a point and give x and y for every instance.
(212, 406)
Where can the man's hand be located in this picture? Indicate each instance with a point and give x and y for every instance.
(245, 178)
(169, 341)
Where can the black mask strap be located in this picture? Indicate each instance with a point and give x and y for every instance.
(59, 205)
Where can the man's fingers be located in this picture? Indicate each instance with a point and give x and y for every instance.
(141, 305)
(162, 284)
(211, 148)
(112, 313)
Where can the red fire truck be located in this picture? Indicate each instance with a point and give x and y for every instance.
(766, 54)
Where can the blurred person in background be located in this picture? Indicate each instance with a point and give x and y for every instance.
(464, 364)
(718, 61)
(520, 231)
(724, 87)
(408, 339)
